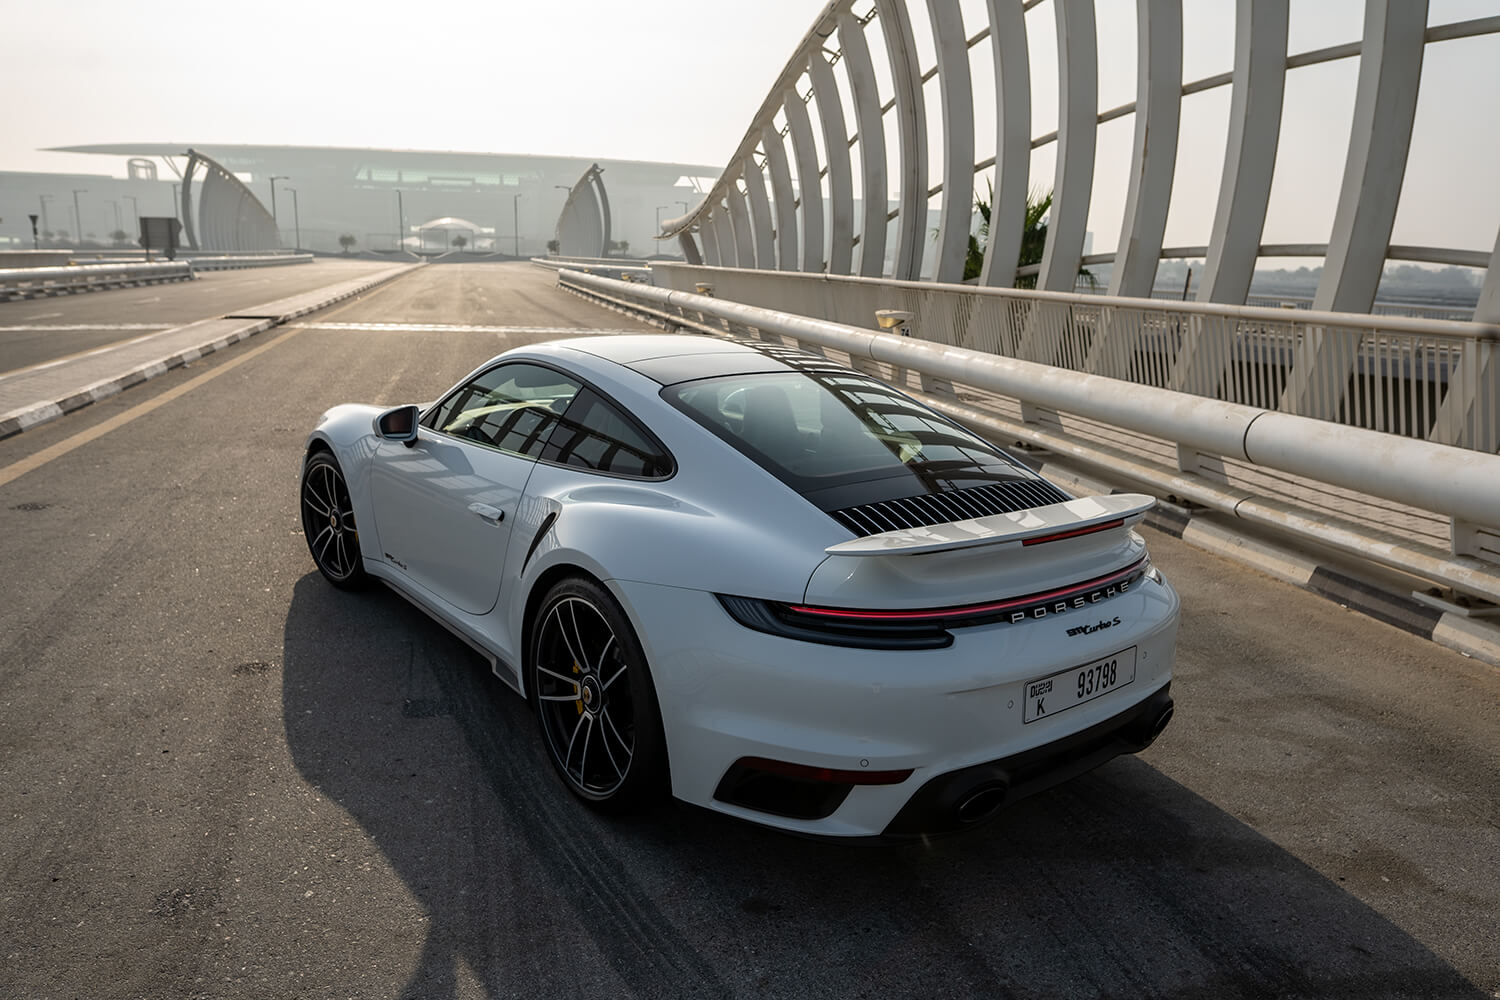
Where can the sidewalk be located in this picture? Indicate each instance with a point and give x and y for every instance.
(46, 392)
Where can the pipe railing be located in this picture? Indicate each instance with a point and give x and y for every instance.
(225, 262)
(1455, 483)
(1421, 378)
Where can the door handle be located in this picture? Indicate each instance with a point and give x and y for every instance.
(485, 512)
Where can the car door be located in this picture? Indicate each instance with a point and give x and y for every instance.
(445, 505)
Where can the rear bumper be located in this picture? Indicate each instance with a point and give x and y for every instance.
(970, 796)
(902, 738)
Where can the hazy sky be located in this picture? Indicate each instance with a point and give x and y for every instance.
(679, 80)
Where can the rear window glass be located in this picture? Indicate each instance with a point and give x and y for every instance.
(593, 434)
(815, 430)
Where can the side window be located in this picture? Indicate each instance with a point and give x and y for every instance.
(510, 407)
(594, 434)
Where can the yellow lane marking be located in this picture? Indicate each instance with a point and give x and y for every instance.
(13, 472)
(18, 469)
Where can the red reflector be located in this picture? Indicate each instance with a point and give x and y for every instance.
(1075, 533)
(826, 775)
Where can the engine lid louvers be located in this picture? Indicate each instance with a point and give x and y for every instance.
(945, 507)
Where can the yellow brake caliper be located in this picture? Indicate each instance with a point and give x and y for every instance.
(578, 688)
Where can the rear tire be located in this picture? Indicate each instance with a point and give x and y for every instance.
(328, 523)
(595, 699)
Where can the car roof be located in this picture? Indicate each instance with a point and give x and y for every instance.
(671, 358)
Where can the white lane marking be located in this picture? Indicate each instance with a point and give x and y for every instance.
(44, 316)
(154, 298)
(457, 328)
(64, 327)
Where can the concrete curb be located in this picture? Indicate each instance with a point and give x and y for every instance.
(257, 320)
(1478, 638)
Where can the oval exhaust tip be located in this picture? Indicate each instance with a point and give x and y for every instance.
(980, 804)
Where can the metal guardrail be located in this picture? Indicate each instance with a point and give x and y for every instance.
(1459, 484)
(231, 261)
(33, 282)
(625, 270)
(1419, 378)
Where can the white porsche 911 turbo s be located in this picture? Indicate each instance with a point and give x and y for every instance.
(756, 579)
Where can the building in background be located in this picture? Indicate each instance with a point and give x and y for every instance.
(378, 196)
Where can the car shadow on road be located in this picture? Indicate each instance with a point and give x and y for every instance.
(1122, 883)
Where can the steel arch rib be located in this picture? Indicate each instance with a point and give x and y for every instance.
(911, 120)
(786, 208)
(869, 122)
(1077, 134)
(1153, 158)
(954, 84)
(760, 216)
(840, 169)
(590, 228)
(1012, 142)
(188, 228)
(1260, 37)
(1488, 308)
(739, 220)
(724, 236)
(602, 196)
(809, 181)
(1385, 105)
(710, 235)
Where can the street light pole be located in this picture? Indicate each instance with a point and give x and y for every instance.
(44, 199)
(275, 223)
(296, 219)
(175, 206)
(136, 206)
(400, 220)
(515, 208)
(78, 216)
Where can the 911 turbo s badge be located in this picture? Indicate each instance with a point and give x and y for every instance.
(1091, 629)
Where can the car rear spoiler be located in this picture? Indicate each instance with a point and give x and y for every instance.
(1053, 522)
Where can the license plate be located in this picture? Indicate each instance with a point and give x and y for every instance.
(1048, 696)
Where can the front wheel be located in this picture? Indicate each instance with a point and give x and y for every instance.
(595, 700)
(328, 522)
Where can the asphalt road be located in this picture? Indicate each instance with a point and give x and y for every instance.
(222, 778)
(34, 331)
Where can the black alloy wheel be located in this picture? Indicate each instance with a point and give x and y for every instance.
(328, 522)
(595, 700)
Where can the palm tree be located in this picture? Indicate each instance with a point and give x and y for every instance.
(1033, 238)
(1033, 234)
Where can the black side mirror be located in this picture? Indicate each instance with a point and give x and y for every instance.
(399, 424)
